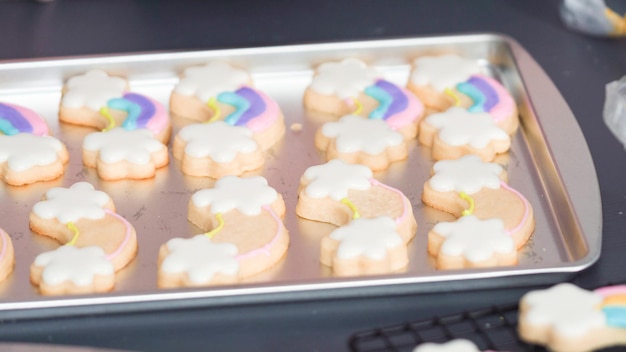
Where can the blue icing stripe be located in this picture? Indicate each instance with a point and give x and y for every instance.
(240, 103)
(12, 122)
(133, 110)
(475, 94)
(615, 316)
(384, 101)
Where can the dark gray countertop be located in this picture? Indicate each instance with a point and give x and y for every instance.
(579, 66)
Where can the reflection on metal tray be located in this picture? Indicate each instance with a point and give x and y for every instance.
(549, 163)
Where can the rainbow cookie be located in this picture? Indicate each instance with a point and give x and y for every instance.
(449, 80)
(361, 141)
(218, 91)
(97, 241)
(350, 87)
(375, 220)
(568, 318)
(98, 100)
(495, 219)
(124, 154)
(27, 153)
(457, 132)
(245, 235)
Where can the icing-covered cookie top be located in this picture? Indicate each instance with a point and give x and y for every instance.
(218, 140)
(458, 127)
(335, 178)
(443, 72)
(570, 310)
(458, 345)
(93, 90)
(70, 263)
(468, 174)
(200, 258)
(357, 134)
(475, 239)
(120, 144)
(371, 238)
(24, 151)
(345, 79)
(248, 195)
(211, 79)
(78, 201)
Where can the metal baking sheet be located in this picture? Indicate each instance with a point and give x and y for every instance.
(549, 163)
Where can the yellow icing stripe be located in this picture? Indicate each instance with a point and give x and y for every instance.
(74, 229)
(615, 301)
(449, 92)
(355, 211)
(470, 200)
(359, 106)
(220, 226)
(104, 111)
(212, 103)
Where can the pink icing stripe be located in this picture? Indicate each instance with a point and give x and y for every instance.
(126, 239)
(505, 106)
(5, 239)
(265, 249)
(401, 218)
(266, 119)
(611, 290)
(413, 111)
(40, 128)
(160, 119)
(526, 207)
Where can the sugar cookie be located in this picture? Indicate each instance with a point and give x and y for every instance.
(495, 219)
(245, 235)
(568, 318)
(457, 132)
(361, 141)
(97, 241)
(27, 153)
(375, 220)
(457, 345)
(351, 87)
(7, 255)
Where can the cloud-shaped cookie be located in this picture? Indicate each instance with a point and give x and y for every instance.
(71, 264)
(78, 201)
(119, 144)
(467, 174)
(354, 134)
(24, 151)
(458, 126)
(335, 178)
(248, 195)
(458, 345)
(217, 140)
(346, 78)
(371, 238)
(93, 90)
(211, 79)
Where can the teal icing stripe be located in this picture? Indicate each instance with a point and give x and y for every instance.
(615, 316)
(383, 98)
(7, 128)
(241, 106)
(476, 95)
(133, 110)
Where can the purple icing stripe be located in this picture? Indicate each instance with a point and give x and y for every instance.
(399, 101)
(146, 106)
(491, 96)
(16, 119)
(257, 105)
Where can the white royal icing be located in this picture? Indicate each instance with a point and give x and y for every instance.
(248, 195)
(335, 178)
(371, 238)
(458, 345)
(218, 140)
(357, 134)
(211, 79)
(200, 258)
(120, 144)
(474, 239)
(70, 263)
(458, 126)
(570, 310)
(24, 151)
(79, 201)
(443, 72)
(93, 90)
(467, 174)
(344, 79)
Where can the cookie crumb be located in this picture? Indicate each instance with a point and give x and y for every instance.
(296, 127)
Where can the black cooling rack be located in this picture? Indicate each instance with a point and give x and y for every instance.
(492, 328)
